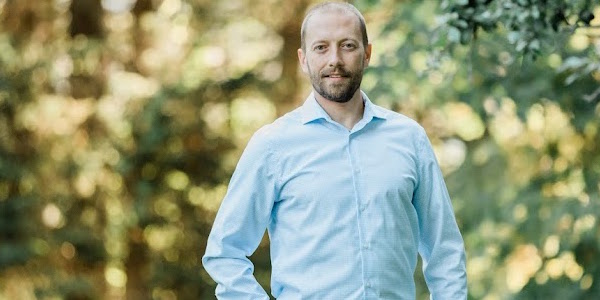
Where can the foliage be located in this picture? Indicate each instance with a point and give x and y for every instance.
(528, 23)
(121, 122)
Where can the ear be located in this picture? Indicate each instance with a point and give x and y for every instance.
(302, 60)
(368, 54)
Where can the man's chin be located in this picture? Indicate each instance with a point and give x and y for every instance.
(341, 94)
(336, 98)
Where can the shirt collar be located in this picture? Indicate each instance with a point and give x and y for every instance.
(312, 110)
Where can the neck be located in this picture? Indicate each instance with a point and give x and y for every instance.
(347, 114)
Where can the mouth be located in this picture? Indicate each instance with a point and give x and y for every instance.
(335, 73)
(335, 76)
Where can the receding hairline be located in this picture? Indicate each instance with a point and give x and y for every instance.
(333, 7)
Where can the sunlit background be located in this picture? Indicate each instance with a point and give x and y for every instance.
(122, 120)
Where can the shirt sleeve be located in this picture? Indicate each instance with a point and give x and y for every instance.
(241, 222)
(440, 243)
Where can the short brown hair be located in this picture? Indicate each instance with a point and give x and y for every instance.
(337, 6)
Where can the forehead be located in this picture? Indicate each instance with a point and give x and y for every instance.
(332, 24)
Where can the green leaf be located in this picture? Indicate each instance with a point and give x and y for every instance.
(569, 80)
(454, 35)
(534, 45)
(573, 62)
(521, 44)
(513, 36)
(460, 24)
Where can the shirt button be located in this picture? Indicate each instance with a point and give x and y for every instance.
(365, 246)
(368, 284)
(363, 207)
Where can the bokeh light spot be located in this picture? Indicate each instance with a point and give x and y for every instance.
(116, 277)
(52, 216)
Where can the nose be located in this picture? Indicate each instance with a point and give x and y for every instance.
(335, 58)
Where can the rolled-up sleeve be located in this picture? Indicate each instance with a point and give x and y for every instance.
(241, 222)
(440, 242)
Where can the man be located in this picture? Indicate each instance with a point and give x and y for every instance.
(349, 192)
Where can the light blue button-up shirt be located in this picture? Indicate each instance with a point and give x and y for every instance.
(347, 212)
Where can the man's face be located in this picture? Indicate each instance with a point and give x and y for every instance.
(334, 56)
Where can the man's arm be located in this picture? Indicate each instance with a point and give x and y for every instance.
(441, 244)
(241, 222)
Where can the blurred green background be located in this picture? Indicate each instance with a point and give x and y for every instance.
(122, 120)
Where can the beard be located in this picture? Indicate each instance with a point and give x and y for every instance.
(340, 92)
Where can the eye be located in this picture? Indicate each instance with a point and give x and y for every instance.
(349, 46)
(319, 48)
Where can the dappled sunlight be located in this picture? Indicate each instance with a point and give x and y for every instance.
(130, 85)
(554, 61)
(116, 277)
(558, 146)
(216, 117)
(168, 36)
(551, 246)
(67, 250)
(521, 266)
(570, 188)
(418, 61)
(548, 130)
(506, 125)
(208, 198)
(166, 208)
(563, 265)
(579, 41)
(464, 121)
(584, 224)
(248, 114)
(168, 8)
(478, 267)
(177, 180)
(450, 154)
(85, 184)
(586, 282)
(55, 115)
(118, 6)
(52, 216)
(161, 238)
(520, 213)
(111, 110)
(248, 42)
(202, 64)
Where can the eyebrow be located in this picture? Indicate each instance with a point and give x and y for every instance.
(326, 42)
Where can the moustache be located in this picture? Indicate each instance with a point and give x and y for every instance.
(335, 72)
